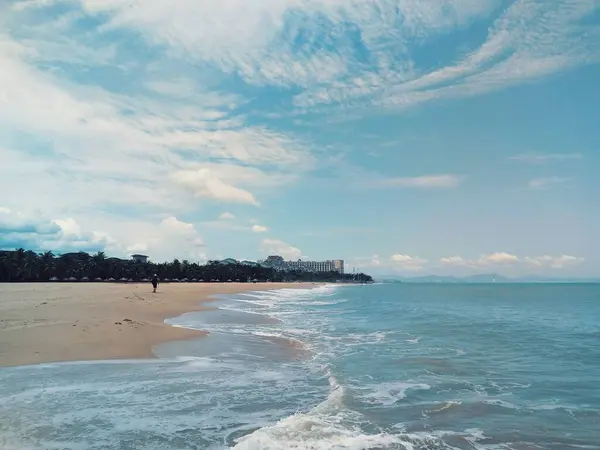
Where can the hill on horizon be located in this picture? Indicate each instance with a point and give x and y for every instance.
(485, 278)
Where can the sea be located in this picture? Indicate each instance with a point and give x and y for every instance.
(383, 366)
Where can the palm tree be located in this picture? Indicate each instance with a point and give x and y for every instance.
(21, 265)
(98, 261)
(31, 267)
(46, 265)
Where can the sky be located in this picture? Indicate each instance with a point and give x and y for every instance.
(406, 137)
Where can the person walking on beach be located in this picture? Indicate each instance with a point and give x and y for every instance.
(154, 282)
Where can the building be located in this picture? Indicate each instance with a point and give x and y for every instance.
(139, 258)
(332, 265)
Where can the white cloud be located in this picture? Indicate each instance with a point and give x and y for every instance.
(278, 247)
(374, 261)
(535, 158)
(216, 181)
(453, 261)
(498, 258)
(68, 226)
(129, 145)
(554, 262)
(504, 260)
(162, 240)
(546, 183)
(172, 238)
(259, 228)
(226, 216)
(206, 183)
(406, 262)
(36, 232)
(484, 261)
(426, 181)
(171, 224)
(257, 41)
(528, 40)
(261, 50)
(500, 261)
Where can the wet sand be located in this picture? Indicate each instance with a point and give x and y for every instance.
(54, 322)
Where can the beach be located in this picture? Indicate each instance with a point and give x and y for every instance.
(57, 322)
(388, 366)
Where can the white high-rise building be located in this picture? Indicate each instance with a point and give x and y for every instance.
(332, 265)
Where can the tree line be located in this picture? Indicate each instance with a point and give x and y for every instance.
(28, 266)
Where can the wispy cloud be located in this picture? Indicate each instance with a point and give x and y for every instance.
(546, 183)
(527, 40)
(259, 228)
(147, 148)
(264, 47)
(312, 45)
(281, 248)
(424, 182)
(536, 158)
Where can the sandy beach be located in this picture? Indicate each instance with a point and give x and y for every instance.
(44, 322)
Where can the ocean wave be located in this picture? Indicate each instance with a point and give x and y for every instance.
(314, 433)
(187, 401)
(330, 425)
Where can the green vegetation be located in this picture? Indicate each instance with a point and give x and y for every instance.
(26, 265)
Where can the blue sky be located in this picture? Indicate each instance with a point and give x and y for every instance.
(404, 136)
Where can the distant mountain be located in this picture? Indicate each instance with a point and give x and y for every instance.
(484, 278)
(432, 279)
(479, 278)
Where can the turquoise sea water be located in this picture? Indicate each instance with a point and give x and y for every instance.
(397, 366)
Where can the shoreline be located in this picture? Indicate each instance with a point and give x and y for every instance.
(63, 322)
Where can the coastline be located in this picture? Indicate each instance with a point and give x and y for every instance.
(61, 322)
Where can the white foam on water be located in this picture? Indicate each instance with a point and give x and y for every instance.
(82, 406)
(329, 425)
(313, 433)
(390, 393)
(358, 339)
(445, 406)
(278, 335)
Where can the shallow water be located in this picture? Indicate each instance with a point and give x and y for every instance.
(386, 366)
